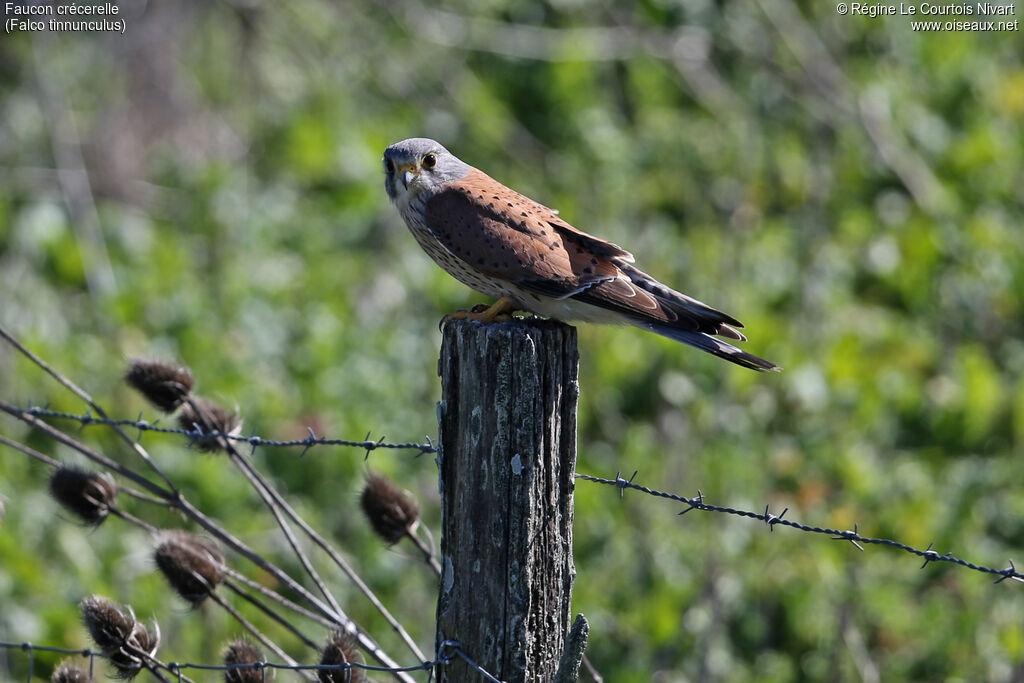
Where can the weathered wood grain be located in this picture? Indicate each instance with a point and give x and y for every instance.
(506, 462)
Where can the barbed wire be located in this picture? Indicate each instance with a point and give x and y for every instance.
(196, 434)
(447, 651)
(772, 521)
(696, 503)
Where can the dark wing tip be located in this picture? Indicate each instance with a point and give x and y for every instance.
(749, 360)
(710, 345)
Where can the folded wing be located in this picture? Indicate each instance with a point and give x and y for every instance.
(510, 237)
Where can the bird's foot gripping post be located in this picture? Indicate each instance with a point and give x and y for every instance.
(498, 312)
(506, 462)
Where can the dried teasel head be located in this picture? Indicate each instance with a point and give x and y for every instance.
(108, 624)
(341, 649)
(243, 654)
(165, 385)
(204, 415)
(122, 638)
(140, 647)
(192, 565)
(392, 512)
(89, 495)
(69, 673)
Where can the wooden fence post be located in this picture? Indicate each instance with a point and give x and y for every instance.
(506, 463)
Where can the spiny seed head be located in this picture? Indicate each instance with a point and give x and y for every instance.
(133, 655)
(192, 565)
(208, 417)
(108, 625)
(341, 649)
(165, 385)
(391, 511)
(68, 673)
(122, 639)
(89, 495)
(240, 653)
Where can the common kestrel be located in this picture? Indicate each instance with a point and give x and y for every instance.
(521, 252)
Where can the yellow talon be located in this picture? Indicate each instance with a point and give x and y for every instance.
(498, 312)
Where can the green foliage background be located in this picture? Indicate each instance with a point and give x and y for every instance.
(849, 188)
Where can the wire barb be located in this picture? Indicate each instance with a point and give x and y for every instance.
(308, 442)
(622, 483)
(850, 536)
(771, 520)
(141, 425)
(929, 555)
(695, 503)
(1009, 573)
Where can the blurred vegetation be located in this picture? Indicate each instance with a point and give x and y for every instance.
(208, 187)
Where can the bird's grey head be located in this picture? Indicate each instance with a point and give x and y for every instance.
(419, 165)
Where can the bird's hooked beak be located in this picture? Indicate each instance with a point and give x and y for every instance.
(406, 173)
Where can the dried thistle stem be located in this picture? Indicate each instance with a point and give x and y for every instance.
(82, 394)
(275, 502)
(237, 590)
(426, 550)
(256, 633)
(277, 597)
(29, 451)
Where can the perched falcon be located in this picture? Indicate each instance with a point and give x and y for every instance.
(510, 247)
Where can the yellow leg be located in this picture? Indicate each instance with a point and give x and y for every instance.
(498, 312)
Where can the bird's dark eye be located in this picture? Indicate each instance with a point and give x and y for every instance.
(389, 167)
(430, 161)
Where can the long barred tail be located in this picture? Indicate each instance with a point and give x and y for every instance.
(708, 343)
